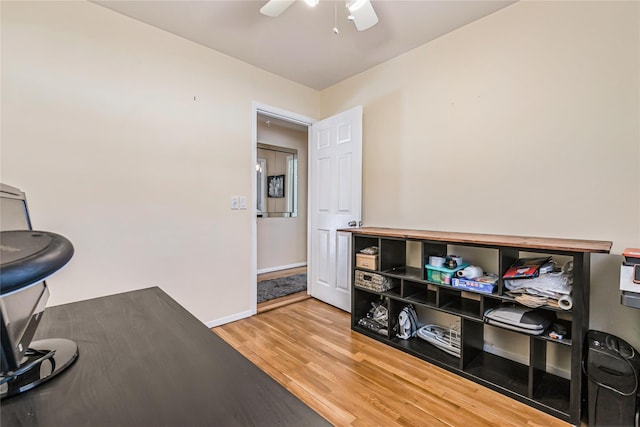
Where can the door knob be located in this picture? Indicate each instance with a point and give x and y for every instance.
(351, 223)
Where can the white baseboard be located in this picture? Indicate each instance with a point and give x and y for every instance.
(228, 319)
(281, 267)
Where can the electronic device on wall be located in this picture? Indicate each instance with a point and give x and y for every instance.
(28, 257)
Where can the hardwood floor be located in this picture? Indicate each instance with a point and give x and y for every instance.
(286, 300)
(353, 380)
(282, 301)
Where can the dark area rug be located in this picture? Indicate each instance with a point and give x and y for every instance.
(283, 286)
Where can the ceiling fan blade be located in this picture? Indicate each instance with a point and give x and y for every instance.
(364, 17)
(274, 8)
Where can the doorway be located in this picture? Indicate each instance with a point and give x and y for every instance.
(280, 204)
(334, 147)
(289, 297)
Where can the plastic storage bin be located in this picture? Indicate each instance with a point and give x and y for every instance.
(442, 275)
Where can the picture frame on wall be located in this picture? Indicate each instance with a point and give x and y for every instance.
(275, 185)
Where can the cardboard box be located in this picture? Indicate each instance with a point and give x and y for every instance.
(369, 262)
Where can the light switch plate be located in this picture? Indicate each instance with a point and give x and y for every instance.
(243, 202)
(234, 202)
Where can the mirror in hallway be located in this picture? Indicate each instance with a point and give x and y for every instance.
(277, 177)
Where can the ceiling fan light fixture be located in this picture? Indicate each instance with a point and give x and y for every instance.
(274, 8)
(355, 5)
(362, 14)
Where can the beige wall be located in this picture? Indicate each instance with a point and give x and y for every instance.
(283, 241)
(525, 122)
(131, 141)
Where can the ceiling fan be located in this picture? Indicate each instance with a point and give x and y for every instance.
(360, 11)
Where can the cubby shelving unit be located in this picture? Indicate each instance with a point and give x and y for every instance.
(533, 382)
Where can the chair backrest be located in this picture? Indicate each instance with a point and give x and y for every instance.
(14, 214)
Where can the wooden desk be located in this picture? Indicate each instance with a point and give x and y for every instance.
(145, 361)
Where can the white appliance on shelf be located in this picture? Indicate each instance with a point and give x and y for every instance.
(630, 278)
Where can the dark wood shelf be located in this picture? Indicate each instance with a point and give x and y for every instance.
(464, 307)
(422, 349)
(489, 240)
(553, 392)
(500, 372)
(393, 293)
(564, 341)
(370, 333)
(421, 298)
(529, 382)
(409, 273)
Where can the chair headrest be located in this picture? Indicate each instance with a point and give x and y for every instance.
(29, 256)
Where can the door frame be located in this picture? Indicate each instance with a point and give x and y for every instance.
(289, 116)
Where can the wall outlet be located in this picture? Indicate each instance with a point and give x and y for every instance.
(243, 202)
(234, 202)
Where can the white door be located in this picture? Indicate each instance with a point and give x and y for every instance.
(335, 202)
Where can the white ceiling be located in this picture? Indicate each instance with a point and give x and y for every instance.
(300, 44)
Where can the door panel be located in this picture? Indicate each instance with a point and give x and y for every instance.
(343, 261)
(323, 251)
(344, 133)
(344, 184)
(324, 138)
(324, 185)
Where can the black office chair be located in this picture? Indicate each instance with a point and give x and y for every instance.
(27, 257)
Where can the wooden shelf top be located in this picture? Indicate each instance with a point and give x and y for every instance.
(525, 242)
